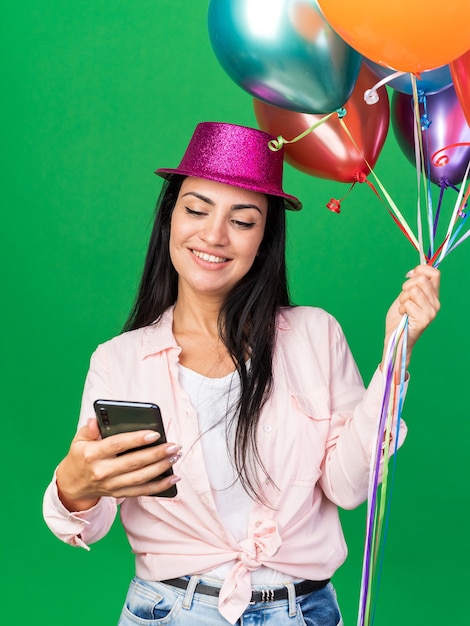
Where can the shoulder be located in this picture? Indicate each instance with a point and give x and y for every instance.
(298, 317)
(142, 341)
(125, 340)
(308, 325)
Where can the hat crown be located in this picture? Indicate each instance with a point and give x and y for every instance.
(236, 152)
(234, 155)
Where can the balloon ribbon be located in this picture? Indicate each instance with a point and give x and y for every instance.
(378, 507)
(394, 368)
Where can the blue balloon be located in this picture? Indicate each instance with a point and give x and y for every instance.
(283, 52)
(430, 81)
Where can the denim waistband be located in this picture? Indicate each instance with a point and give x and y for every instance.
(262, 595)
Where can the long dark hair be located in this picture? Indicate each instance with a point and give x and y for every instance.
(247, 319)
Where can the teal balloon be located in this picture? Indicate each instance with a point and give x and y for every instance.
(284, 53)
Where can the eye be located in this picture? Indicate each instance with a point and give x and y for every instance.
(193, 212)
(244, 225)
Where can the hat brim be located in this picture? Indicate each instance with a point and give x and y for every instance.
(291, 202)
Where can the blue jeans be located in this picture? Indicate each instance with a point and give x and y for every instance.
(153, 604)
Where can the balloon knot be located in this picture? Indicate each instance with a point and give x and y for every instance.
(444, 182)
(276, 144)
(421, 96)
(360, 177)
(371, 96)
(341, 112)
(425, 121)
(334, 205)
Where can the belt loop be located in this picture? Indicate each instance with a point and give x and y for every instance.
(291, 598)
(188, 596)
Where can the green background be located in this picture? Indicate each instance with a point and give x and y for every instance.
(96, 95)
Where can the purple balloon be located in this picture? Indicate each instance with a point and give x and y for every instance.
(446, 140)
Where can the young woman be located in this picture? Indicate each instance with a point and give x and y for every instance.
(269, 426)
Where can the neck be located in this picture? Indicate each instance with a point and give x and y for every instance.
(200, 316)
(195, 327)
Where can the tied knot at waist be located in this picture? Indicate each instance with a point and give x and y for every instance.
(265, 540)
(235, 594)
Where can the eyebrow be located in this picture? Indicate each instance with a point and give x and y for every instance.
(235, 207)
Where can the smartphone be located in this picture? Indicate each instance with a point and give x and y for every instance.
(117, 416)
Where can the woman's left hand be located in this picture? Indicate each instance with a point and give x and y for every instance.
(419, 299)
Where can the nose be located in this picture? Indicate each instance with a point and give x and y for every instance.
(215, 231)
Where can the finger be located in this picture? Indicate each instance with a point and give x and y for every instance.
(419, 317)
(420, 294)
(418, 307)
(145, 464)
(427, 286)
(429, 273)
(416, 297)
(150, 488)
(111, 447)
(114, 445)
(133, 473)
(425, 274)
(89, 432)
(93, 430)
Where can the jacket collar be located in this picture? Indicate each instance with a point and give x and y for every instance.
(159, 337)
(282, 322)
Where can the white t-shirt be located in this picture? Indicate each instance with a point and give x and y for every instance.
(214, 399)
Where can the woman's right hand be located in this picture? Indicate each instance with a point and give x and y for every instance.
(92, 468)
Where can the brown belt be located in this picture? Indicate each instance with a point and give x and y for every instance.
(263, 595)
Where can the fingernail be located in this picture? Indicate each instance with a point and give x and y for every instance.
(175, 457)
(174, 480)
(410, 273)
(173, 449)
(153, 436)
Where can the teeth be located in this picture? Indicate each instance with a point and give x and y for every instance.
(208, 257)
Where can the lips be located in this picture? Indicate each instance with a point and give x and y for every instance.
(209, 257)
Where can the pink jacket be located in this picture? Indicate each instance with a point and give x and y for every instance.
(315, 436)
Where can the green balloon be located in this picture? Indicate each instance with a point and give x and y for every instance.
(283, 52)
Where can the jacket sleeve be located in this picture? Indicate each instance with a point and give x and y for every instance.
(84, 527)
(355, 416)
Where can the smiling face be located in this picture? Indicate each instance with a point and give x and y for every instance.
(216, 231)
